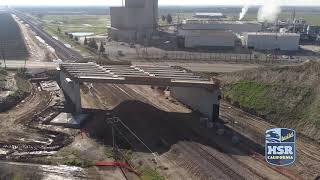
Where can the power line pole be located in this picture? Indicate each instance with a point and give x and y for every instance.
(4, 57)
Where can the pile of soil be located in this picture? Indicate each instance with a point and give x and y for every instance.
(158, 129)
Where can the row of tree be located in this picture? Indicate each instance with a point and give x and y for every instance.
(90, 43)
(93, 44)
(167, 18)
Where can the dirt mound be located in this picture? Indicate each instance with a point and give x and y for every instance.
(158, 129)
(288, 96)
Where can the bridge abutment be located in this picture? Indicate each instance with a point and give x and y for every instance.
(199, 99)
(71, 89)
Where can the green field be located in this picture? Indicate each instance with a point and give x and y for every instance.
(78, 23)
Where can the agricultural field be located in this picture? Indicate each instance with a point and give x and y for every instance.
(77, 23)
(11, 41)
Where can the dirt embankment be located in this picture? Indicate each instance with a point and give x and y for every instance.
(11, 38)
(287, 96)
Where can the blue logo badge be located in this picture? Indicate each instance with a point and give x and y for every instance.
(280, 148)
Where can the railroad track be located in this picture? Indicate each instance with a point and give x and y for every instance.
(64, 53)
(256, 123)
(210, 160)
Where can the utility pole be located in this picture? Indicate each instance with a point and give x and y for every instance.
(3, 56)
(25, 64)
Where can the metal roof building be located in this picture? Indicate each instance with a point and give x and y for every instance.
(209, 38)
(209, 15)
(272, 41)
(208, 24)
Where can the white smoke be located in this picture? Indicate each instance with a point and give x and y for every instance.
(243, 12)
(269, 12)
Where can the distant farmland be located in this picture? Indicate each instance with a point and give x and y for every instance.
(12, 45)
(77, 23)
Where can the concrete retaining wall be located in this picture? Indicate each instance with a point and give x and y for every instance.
(199, 99)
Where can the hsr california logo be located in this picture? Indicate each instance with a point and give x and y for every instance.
(280, 147)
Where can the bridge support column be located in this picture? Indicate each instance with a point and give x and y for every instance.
(71, 89)
(199, 99)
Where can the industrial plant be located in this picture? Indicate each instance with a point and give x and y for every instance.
(212, 29)
(136, 20)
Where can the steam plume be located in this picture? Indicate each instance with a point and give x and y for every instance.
(243, 12)
(269, 12)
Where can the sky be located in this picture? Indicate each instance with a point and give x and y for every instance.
(161, 2)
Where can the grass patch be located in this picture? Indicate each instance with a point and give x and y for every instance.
(148, 173)
(207, 74)
(51, 30)
(274, 101)
(78, 162)
(23, 84)
(3, 74)
(24, 88)
(71, 157)
(78, 23)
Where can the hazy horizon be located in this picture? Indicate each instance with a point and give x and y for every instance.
(161, 2)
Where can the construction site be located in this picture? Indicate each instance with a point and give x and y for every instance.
(155, 104)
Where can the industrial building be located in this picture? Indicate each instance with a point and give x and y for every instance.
(209, 38)
(271, 41)
(206, 24)
(136, 20)
(209, 15)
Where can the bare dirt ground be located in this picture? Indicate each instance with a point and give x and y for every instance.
(25, 139)
(186, 150)
(11, 130)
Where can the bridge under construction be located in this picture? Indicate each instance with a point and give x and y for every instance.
(200, 94)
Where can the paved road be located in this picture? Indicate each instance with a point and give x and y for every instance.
(33, 65)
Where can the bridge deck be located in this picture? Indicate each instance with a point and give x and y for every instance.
(140, 75)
